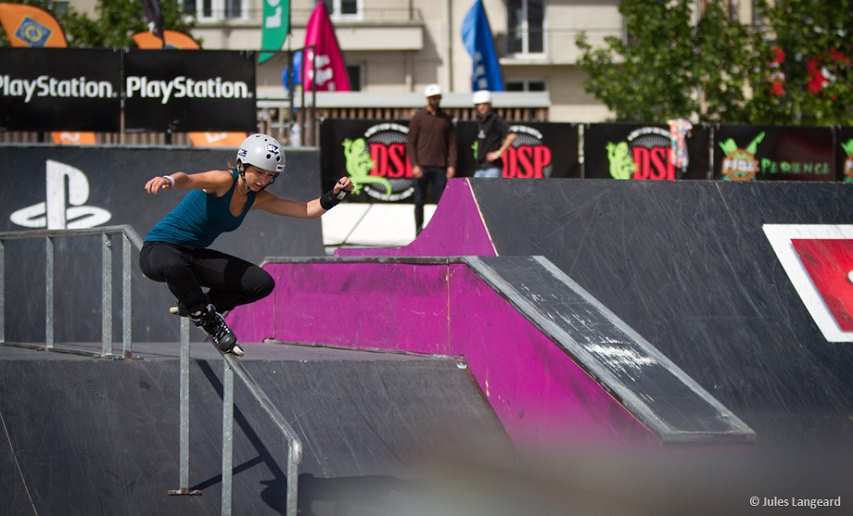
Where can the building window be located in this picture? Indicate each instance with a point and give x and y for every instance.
(215, 10)
(526, 85)
(354, 73)
(344, 9)
(525, 26)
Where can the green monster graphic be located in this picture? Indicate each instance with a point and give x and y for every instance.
(740, 164)
(622, 166)
(359, 165)
(848, 163)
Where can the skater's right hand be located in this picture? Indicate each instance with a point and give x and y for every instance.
(416, 171)
(157, 184)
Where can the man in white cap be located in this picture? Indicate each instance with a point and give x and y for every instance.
(431, 147)
(493, 137)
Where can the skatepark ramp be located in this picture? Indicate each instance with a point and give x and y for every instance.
(689, 266)
(87, 436)
(552, 361)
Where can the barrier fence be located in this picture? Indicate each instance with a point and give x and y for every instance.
(373, 153)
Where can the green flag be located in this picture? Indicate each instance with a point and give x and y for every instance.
(275, 26)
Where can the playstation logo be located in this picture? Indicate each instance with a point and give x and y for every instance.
(64, 207)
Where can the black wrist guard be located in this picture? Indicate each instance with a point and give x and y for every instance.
(329, 199)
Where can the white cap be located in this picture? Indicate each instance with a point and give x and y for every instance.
(432, 90)
(482, 97)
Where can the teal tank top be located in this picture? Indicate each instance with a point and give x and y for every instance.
(199, 218)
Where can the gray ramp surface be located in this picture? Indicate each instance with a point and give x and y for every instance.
(688, 267)
(101, 437)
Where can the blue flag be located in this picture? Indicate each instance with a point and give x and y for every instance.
(477, 38)
(292, 75)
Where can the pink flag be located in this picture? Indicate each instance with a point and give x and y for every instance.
(320, 41)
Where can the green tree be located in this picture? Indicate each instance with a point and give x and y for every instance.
(815, 37)
(718, 70)
(116, 22)
(647, 77)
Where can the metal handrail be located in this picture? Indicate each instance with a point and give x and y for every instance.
(232, 365)
(129, 236)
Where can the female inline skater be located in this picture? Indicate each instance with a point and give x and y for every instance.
(176, 249)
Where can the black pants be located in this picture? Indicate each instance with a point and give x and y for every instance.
(232, 281)
(436, 179)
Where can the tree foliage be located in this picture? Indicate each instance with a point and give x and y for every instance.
(675, 62)
(116, 21)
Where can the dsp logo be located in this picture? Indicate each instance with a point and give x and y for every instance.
(528, 157)
(32, 32)
(645, 155)
(377, 163)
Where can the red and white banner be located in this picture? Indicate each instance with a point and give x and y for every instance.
(818, 259)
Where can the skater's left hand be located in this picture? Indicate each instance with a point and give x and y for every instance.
(343, 183)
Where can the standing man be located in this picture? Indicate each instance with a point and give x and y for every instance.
(493, 137)
(431, 147)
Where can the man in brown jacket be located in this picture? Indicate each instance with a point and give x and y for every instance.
(431, 147)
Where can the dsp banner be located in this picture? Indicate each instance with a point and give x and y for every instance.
(645, 152)
(748, 152)
(539, 151)
(203, 90)
(373, 154)
(47, 89)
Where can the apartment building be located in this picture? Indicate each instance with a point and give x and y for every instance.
(393, 48)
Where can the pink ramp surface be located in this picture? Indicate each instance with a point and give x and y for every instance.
(456, 229)
(537, 391)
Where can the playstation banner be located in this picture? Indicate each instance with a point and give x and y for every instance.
(373, 154)
(47, 89)
(65, 89)
(203, 90)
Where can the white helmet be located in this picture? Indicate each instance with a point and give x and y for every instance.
(482, 97)
(261, 151)
(432, 90)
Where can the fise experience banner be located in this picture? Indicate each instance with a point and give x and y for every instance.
(203, 90)
(747, 152)
(70, 89)
(844, 153)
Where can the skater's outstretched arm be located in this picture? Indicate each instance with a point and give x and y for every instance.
(272, 203)
(212, 181)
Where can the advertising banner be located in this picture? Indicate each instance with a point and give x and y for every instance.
(540, 150)
(203, 90)
(52, 187)
(748, 152)
(373, 154)
(844, 153)
(646, 152)
(46, 89)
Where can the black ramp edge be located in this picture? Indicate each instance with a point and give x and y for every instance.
(648, 384)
